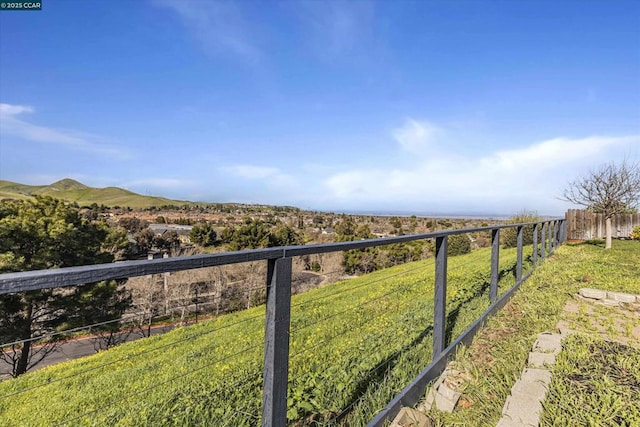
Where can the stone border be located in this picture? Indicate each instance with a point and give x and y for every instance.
(523, 406)
(608, 297)
(442, 394)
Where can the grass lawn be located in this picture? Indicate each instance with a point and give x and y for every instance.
(595, 383)
(494, 361)
(354, 345)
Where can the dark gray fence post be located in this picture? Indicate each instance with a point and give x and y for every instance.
(276, 345)
(440, 296)
(519, 261)
(543, 252)
(559, 233)
(550, 245)
(495, 260)
(534, 255)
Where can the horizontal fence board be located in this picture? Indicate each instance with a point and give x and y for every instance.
(69, 276)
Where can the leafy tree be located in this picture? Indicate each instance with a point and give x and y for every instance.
(345, 229)
(183, 221)
(40, 234)
(400, 253)
(611, 189)
(259, 234)
(458, 244)
(250, 235)
(133, 224)
(364, 232)
(203, 234)
(360, 261)
(144, 240)
(117, 244)
(283, 235)
(169, 240)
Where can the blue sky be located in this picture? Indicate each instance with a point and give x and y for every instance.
(416, 107)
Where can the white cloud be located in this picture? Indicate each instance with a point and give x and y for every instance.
(12, 125)
(507, 180)
(217, 25)
(555, 151)
(414, 136)
(13, 110)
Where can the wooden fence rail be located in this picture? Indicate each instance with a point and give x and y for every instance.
(585, 225)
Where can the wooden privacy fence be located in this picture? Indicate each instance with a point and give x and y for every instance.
(547, 235)
(586, 225)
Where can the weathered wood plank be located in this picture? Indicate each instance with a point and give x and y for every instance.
(585, 225)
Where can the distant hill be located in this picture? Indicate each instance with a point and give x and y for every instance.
(74, 191)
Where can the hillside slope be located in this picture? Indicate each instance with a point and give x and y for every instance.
(354, 344)
(74, 191)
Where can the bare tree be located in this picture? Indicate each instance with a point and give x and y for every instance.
(148, 301)
(14, 355)
(611, 189)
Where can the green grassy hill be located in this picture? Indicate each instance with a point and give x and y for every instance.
(354, 344)
(74, 191)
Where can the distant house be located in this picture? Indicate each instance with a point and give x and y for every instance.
(182, 230)
(328, 230)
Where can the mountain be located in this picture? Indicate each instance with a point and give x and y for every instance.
(74, 191)
(67, 184)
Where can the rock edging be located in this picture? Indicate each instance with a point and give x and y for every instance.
(523, 407)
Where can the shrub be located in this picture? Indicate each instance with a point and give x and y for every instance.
(509, 236)
(360, 261)
(635, 234)
(203, 234)
(458, 244)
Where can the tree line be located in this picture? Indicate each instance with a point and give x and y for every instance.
(47, 233)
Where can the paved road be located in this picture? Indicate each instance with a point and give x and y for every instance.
(77, 348)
